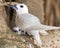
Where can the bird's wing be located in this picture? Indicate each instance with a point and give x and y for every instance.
(27, 20)
(31, 19)
(31, 22)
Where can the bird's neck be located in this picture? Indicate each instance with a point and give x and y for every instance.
(25, 12)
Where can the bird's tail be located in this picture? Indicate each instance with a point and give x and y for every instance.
(46, 27)
(42, 27)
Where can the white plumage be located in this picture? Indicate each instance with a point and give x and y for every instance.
(30, 23)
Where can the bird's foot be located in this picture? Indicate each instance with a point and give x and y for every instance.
(17, 30)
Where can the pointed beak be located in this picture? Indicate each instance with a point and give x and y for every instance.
(14, 7)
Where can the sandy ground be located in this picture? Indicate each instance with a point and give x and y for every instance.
(9, 39)
(52, 40)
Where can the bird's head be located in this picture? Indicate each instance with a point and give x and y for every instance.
(20, 8)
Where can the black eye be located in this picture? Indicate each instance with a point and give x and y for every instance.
(21, 6)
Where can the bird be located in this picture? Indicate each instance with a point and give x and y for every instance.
(30, 23)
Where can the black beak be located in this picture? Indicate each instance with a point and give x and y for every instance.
(14, 7)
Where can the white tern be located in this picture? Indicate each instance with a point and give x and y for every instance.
(30, 23)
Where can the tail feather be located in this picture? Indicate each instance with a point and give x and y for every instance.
(46, 27)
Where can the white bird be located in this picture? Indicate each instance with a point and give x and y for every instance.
(30, 23)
